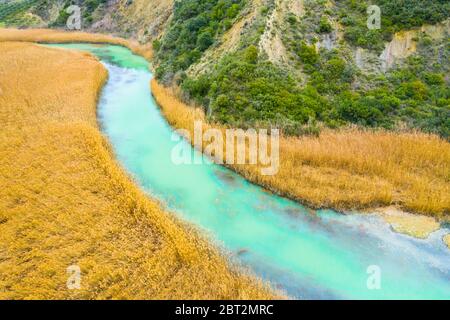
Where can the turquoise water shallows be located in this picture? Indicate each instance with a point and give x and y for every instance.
(323, 256)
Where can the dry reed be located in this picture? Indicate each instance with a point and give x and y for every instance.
(56, 36)
(347, 169)
(64, 201)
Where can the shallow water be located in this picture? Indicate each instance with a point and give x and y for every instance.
(322, 256)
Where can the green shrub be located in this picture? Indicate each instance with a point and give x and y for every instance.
(195, 26)
(325, 26)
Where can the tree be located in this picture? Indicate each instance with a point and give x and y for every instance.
(251, 54)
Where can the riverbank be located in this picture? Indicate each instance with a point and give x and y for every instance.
(57, 36)
(65, 203)
(346, 170)
(447, 240)
(350, 169)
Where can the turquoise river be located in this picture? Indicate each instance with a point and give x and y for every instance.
(323, 256)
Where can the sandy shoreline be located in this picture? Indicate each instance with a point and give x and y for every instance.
(417, 226)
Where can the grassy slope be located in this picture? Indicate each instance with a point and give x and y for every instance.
(143, 19)
(139, 19)
(329, 88)
(64, 201)
(349, 169)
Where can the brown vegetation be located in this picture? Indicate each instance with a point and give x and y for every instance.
(56, 36)
(64, 201)
(347, 169)
(447, 240)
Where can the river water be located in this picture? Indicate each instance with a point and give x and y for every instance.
(323, 256)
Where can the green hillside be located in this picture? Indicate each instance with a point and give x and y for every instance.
(315, 87)
(300, 65)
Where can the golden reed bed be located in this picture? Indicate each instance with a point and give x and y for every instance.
(56, 36)
(348, 169)
(64, 201)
